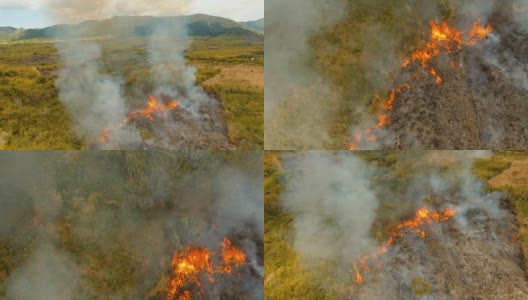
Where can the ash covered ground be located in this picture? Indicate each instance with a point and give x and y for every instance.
(481, 103)
(397, 225)
(178, 129)
(474, 256)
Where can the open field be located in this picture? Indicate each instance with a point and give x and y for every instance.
(34, 118)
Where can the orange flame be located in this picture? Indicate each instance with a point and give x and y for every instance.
(191, 264)
(442, 39)
(479, 32)
(422, 217)
(232, 256)
(152, 108)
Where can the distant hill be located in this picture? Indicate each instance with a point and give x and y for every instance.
(197, 25)
(7, 31)
(257, 25)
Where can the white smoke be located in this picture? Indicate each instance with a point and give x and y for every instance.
(94, 100)
(49, 273)
(333, 206)
(169, 70)
(300, 103)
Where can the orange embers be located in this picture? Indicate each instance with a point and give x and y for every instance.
(231, 256)
(423, 217)
(152, 108)
(479, 32)
(443, 39)
(194, 264)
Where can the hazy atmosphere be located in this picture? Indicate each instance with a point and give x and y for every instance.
(38, 13)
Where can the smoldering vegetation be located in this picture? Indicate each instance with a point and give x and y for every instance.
(346, 206)
(480, 105)
(99, 101)
(356, 48)
(104, 225)
(300, 103)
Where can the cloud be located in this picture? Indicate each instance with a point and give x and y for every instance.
(21, 4)
(80, 10)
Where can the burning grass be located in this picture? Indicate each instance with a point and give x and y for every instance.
(443, 40)
(416, 225)
(102, 215)
(193, 264)
(34, 118)
(148, 112)
(289, 276)
(362, 57)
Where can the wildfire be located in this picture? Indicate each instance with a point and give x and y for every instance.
(422, 217)
(443, 39)
(193, 264)
(148, 112)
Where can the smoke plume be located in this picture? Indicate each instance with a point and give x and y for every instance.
(342, 68)
(339, 203)
(333, 206)
(94, 100)
(105, 225)
(300, 103)
(100, 105)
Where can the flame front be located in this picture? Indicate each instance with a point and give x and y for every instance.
(192, 264)
(443, 39)
(148, 112)
(422, 217)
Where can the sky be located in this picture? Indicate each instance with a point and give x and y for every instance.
(37, 13)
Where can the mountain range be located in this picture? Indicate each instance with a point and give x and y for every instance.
(197, 25)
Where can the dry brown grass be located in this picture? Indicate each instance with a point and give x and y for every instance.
(515, 176)
(241, 74)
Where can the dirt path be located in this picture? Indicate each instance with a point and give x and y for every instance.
(247, 74)
(516, 175)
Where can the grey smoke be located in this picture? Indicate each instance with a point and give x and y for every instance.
(94, 100)
(29, 197)
(177, 210)
(302, 104)
(49, 273)
(169, 70)
(302, 120)
(333, 199)
(333, 206)
(97, 101)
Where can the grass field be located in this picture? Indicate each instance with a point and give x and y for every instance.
(34, 118)
(287, 277)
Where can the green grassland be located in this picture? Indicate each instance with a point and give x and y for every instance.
(97, 197)
(286, 275)
(32, 116)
